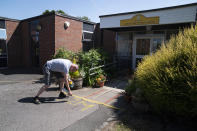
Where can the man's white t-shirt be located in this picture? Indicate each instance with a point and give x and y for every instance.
(59, 65)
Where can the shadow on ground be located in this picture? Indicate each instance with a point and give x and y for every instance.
(42, 100)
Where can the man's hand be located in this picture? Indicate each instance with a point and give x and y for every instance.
(70, 93)
(67, 84)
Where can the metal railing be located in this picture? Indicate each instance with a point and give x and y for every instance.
(106, 66)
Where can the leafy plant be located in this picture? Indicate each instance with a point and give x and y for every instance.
(65, 54)
(168, 78)
(88, 60)
(77, 74)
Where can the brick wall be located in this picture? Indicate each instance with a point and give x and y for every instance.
(25, 40)
(70, 38)
(47, 38)
(13, 43)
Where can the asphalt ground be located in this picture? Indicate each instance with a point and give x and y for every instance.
(86, 110)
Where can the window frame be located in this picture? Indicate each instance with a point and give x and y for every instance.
(84, 31)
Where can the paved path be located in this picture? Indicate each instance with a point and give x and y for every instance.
(86, 110)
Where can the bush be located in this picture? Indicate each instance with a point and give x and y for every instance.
(88, 60)
(168, 78)
(66, 54)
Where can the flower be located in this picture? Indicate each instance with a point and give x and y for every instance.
(101, 78)
(71, 84)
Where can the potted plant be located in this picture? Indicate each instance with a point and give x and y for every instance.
(100, 80)
(77, 78)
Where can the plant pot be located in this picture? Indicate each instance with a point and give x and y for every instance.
(101, 84)
(78, 82)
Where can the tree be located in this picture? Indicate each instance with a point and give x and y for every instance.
(61, 12)
(53, 11)
(83, 18)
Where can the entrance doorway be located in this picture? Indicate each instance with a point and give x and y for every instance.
(145, 45)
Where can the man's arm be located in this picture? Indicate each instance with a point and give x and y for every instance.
(67, 84)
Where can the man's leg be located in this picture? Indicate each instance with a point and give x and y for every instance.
(42, 90)
(47, 77)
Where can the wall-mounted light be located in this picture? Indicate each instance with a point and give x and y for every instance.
(66, 24)
(38, 28)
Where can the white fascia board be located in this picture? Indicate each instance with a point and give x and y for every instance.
(167, 16)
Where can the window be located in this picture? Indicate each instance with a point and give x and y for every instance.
(88, 27)
(124, 44)
(2, 24)
(143, 47)
(156, 44)
(87, 36)
(3, 35)
(3, 54)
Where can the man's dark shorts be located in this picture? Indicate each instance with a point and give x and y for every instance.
(48, 74)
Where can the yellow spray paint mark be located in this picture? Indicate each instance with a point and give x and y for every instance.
(86, 106)
(78, 101)
(81, 100)
(96, 102)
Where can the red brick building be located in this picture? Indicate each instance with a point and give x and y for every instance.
(33, 41)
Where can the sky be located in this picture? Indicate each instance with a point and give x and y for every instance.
(22, 9)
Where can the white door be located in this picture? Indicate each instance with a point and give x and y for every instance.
(145, 45)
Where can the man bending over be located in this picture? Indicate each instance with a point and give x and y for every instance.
(60, 68)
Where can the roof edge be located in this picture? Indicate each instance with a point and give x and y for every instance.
(74, 18)
(39, 16)
(164, 8)
(10, 19)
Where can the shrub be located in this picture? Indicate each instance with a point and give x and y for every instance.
(66, 54)
(168, 78)
(88, 60)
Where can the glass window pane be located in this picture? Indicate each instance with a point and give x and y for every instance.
(87, 36)
(2, 24)
(3, 47)
(3, 62)
(156, 44)
(143, 47)
(88, 27)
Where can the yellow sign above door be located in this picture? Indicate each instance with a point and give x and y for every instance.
(140, 20)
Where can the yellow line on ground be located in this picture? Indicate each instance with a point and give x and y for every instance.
(96, 102)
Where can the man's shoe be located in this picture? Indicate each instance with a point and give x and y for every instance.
(36, 100)
(62, 95)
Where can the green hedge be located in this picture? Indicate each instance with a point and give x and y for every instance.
(168, 78)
